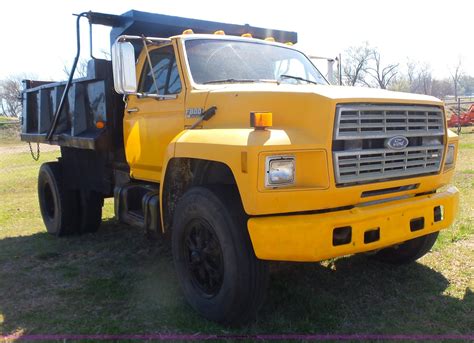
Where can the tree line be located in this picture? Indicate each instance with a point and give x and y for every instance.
(362, 65)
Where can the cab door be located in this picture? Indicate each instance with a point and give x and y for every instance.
(151, 123)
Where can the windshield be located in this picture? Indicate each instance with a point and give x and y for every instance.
(219, 61)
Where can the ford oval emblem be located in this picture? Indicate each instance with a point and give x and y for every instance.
(396, 143)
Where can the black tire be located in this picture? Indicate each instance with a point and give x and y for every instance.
(90, 211)
(56, 203)
(220, 277)
(408, 251)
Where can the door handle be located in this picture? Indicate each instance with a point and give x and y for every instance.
(132, 110)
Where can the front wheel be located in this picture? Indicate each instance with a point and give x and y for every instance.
(408, 251)
(214, 259)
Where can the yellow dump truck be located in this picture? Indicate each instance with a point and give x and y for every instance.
(227, 139)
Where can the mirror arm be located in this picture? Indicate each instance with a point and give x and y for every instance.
(149, 63)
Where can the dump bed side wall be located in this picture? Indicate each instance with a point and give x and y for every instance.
(90, 100)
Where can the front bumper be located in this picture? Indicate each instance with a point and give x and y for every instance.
(310, 237)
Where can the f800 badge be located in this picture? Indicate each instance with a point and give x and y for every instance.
(193, 112)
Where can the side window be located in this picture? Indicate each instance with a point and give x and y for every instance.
(165, 71)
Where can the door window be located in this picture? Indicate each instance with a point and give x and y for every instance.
(165, 71)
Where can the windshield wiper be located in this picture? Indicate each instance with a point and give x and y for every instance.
(239, 80)
(229, 81)
(285, 76)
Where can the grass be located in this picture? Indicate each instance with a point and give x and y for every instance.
(4, 119)
(119, 281)
(9, 131)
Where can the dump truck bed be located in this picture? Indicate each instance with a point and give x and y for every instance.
(91, 100)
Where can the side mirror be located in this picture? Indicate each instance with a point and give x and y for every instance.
(123, 65)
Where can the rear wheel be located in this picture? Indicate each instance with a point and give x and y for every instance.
(219, 274)
(409, 251)
(56, 203)
(66, 212)
(90, 211)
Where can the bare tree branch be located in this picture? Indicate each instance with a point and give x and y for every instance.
(10, 93)
(81, 69)
(356, 63)
(383, 76)
(456, 75)
(106, 54)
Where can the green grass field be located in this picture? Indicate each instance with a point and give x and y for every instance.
(9, 131)
(120, 281)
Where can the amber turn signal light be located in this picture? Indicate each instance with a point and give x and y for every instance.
(261, 120)
(100, 124)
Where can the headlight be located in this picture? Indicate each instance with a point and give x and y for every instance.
(280, 171)
(448, 162)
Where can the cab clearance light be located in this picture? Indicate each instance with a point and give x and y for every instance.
(188, 32)
(247, 35)
(289, 43)
(261, 120)
(219, 32)
(270, 39)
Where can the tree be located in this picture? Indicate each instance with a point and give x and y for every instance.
(411, 74)
(356, 63)
(456, 75)
(424, 80)
(382, 75)
(106, 54)
(442, 88)
(10, 95)
(81, 69)
(467, 84)
(400, 83)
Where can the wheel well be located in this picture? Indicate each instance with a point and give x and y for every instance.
(184, 173)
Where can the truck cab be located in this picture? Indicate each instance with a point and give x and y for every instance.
(229, 140)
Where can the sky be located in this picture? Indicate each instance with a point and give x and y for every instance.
(38, 37)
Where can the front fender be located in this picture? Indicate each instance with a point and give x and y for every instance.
(236, 148)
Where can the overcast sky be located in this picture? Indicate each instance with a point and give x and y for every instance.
(38, 36)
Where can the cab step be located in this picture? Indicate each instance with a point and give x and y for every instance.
(138, 204)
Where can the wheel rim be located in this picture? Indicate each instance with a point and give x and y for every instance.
(48, 201)
(203, 257)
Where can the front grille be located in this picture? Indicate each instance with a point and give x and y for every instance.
(360, 150)
(372, 121)
(382, 164)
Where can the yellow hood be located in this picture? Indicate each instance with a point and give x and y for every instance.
(342, 93)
